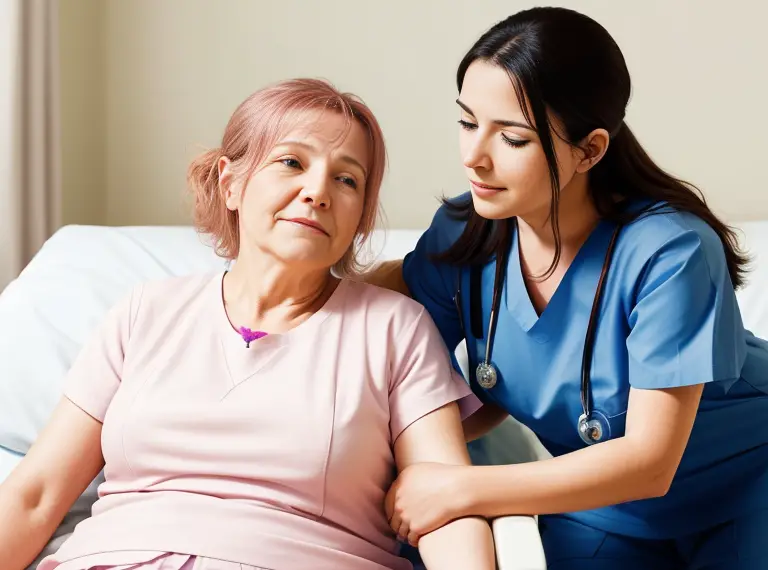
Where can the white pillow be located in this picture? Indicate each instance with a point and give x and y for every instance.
(51, 308)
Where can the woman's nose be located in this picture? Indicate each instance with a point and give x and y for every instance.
(317, 193)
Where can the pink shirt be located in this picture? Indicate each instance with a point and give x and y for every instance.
(278, 455)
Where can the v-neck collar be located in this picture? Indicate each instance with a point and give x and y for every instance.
(242, 362)
(516, 297)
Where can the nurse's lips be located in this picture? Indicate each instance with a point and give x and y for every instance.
(484, 190)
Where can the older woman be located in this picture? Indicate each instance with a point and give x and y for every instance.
(256, 418)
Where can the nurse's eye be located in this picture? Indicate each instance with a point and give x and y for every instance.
(291, 162)
(466, 125)
(514, 142)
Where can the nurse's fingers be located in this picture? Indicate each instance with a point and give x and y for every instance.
(400, 527)
(413, 539)
(389, 503)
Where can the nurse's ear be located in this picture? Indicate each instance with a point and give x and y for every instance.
(592, 149)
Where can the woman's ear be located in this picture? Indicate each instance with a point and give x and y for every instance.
(229, 191)
(593, 147)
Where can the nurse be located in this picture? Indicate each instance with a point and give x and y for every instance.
(658, 418)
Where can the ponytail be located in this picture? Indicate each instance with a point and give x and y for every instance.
(627, 170)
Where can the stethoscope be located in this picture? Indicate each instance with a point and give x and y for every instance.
(592, 427)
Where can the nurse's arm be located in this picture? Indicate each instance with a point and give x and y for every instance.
(388, 275)
(465, 543)
(640, 465)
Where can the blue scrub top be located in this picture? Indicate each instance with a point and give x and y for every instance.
(668, 317)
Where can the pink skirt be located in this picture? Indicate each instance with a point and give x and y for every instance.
(142, 561)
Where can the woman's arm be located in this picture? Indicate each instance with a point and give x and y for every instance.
(389, 275)
(61, 464)
(465, 543)
(639, 465)
(483, 421)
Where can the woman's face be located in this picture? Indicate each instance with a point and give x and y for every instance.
(501, 151)
(303, 205)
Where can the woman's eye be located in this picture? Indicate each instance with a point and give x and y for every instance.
(514, 143)
(466, 125)
(291, 162)
(348, 181)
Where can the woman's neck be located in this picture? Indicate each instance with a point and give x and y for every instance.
(263, 293)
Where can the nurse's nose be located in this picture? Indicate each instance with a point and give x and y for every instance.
(476, 155)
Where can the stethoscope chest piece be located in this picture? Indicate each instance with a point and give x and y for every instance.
(486, 375)
(593, 429)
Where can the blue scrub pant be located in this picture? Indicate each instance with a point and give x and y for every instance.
(741, 544)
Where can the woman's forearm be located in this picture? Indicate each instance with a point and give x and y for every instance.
(464, 543)
(598, 476)
(24, 529)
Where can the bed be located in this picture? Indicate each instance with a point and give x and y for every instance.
(51, 308)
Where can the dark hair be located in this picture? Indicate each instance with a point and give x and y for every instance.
(565, 62)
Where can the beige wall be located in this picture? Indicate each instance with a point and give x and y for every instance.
(171, 72)
(84, 135)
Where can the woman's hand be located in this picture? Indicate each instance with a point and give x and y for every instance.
(425, 497)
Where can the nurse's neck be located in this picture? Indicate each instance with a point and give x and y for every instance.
(267, 294)
(577, 218)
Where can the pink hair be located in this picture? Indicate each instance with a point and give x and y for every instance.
(255, 127)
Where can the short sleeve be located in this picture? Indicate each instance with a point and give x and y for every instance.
(423, 379)
(434, 284)
(96, 373)
(685, 325)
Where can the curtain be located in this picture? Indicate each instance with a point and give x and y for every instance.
(30, 171)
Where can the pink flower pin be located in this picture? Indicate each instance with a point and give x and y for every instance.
(249, 336)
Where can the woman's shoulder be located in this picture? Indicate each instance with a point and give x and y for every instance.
(380, 298)
(379, 305)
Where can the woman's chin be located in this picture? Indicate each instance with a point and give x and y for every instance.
(311, 258)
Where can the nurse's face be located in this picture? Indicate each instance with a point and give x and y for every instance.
(501, 151)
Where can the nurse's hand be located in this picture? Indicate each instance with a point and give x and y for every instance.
(423, 498)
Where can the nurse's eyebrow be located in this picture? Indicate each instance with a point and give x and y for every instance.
(500, 122)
